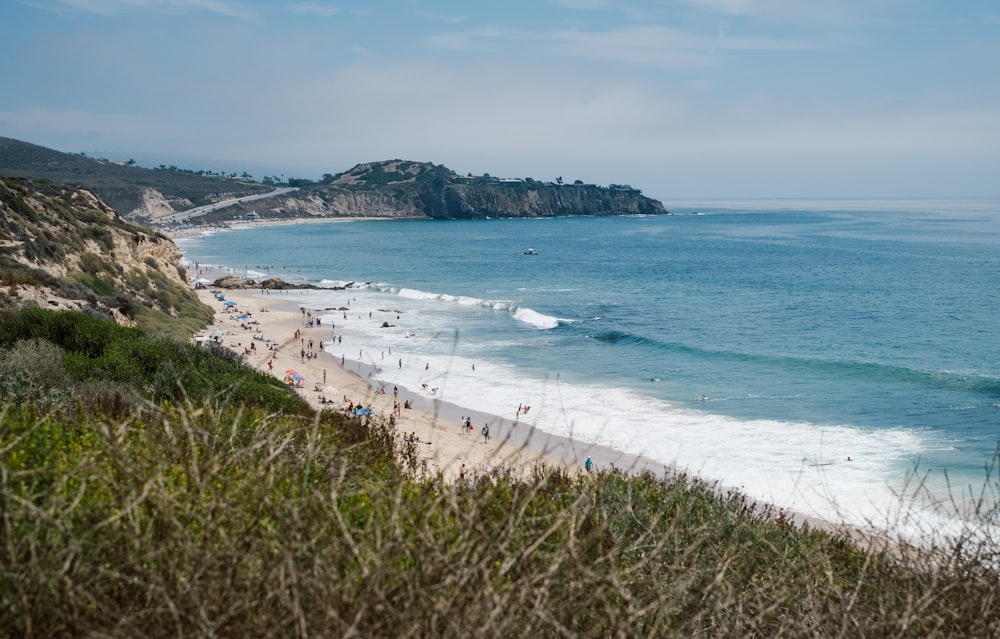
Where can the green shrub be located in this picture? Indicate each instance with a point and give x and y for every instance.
(188, 495)
(93, 264)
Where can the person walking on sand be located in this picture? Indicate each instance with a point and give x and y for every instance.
(589, 465)
(486, 433)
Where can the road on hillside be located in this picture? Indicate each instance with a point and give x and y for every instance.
(181, 216)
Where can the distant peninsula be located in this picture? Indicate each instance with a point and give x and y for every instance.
(400, 188)
(168, 196)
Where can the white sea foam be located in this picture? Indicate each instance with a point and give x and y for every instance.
(797, 465)
(414, 294)
(536, 319)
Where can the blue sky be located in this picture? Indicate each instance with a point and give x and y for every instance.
(681, 98)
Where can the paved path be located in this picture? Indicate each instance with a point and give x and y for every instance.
(181, 216)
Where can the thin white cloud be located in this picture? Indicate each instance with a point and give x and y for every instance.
(731, 7)
(443, 18)
(792, 11)
(663, 46)
(581, 5)
(314, 9)
(652, 45)
(120, 7)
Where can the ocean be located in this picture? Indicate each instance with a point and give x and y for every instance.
(837, 358)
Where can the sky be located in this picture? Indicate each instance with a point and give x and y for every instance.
(680, 98)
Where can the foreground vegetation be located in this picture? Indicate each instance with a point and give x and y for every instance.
(203, 501)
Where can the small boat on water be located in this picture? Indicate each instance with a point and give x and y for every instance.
(531, 251)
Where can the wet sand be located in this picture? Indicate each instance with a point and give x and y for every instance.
(280, 330)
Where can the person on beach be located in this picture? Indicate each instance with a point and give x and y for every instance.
(486, 433)
(589, 464)
(461, 473)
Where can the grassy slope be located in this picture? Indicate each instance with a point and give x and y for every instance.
(117, 185)
(45, 224)
(211, 516)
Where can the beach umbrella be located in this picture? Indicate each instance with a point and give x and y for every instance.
(230, 303)
(242, 316)
(291, 371)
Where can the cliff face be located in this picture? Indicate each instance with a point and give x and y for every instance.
(399, 188)
(522, 200)
(63, 248)
(390, 188)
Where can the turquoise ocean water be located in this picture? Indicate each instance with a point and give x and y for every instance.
(816, 332)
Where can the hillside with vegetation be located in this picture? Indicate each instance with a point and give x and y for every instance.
(401, 188)
(137, 193)
(391, 188)
(63, 248)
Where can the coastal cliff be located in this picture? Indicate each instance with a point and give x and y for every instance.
(65, 249)
(168, 195)
(399, 188)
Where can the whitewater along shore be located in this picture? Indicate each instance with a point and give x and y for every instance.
(280, 336)
(281, 328)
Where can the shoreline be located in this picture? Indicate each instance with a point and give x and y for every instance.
(176, 232)
(513, 446)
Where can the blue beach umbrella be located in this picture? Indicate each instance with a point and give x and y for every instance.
(230, 303)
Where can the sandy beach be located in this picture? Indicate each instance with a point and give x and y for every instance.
(281, 337)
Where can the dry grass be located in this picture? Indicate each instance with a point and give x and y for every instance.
(223, 522)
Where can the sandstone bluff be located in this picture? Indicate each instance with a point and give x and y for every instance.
(399, 188)
(168, 195)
